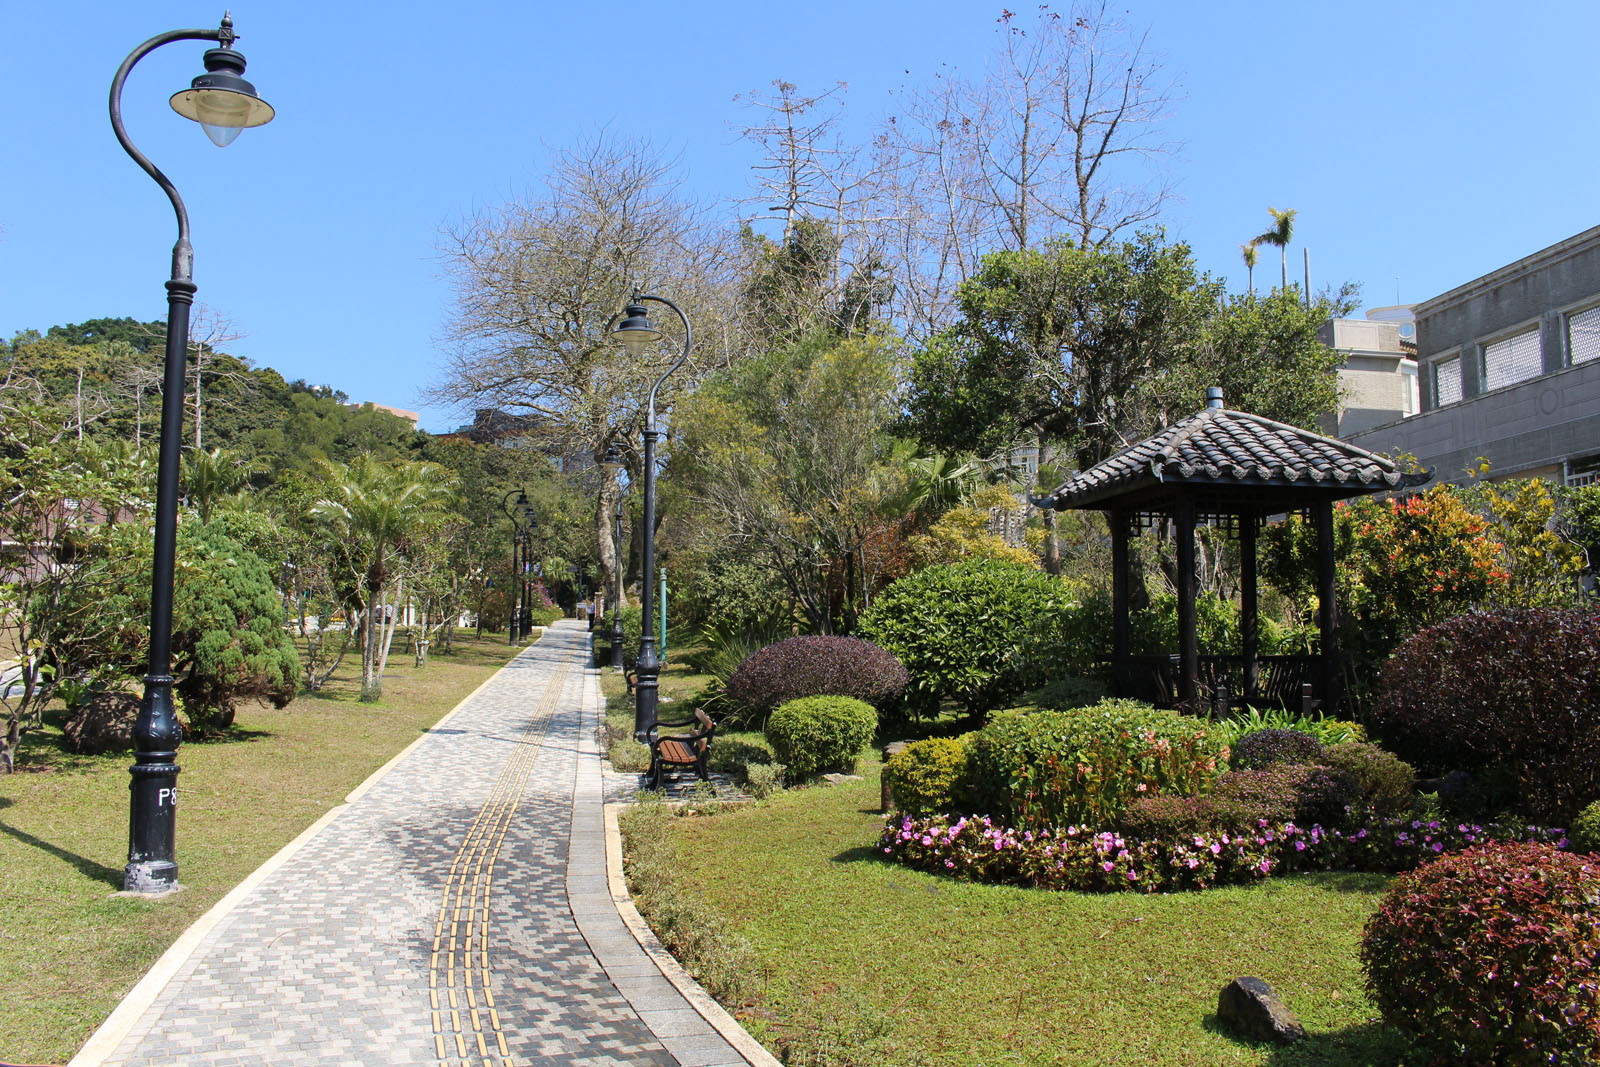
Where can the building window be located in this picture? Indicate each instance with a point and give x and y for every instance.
(1447, 381)
(1413, 388)
(1512, 360)
(1583, 336)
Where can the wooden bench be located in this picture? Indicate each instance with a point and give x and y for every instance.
(682, 750)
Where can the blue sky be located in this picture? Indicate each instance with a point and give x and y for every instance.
(1423, 144)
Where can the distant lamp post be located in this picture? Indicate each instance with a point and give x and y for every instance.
(638, 333)
(223, 103)
(529, 524)
(518, 563)
(612, 461)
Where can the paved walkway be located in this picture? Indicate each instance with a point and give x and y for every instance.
(456, 911)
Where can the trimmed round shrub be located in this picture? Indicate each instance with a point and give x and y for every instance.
(929, 776)
(1492, 955)
(1064, 694)
(1385, 783)
(1304, 793)
(1510, 691)
(817, 666)
(1263, 748)
(816, 734)
(1586, 829)
(978, 632)
(1081, 767)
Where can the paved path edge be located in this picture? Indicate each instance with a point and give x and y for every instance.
(702, 1002)
(108, 1036)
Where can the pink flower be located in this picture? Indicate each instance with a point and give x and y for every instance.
(1216, 849)
(1266, 866)
(926, 840)
(1108, 866)
(949, 863)
(1299, 846)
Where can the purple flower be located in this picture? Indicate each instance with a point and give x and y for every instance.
(1438, 846)
(1108, 866)
(1299, 846)
(1266, 866)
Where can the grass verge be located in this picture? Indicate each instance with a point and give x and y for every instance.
(858, 961)
(68, 950)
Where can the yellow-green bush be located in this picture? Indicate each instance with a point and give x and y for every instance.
(930, 776)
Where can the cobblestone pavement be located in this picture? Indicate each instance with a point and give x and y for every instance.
(455, 913)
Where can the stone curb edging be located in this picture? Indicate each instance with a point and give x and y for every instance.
(698, 999)
(109, 1035)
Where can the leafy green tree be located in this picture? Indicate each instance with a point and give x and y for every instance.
(789, 459)
(60, 501)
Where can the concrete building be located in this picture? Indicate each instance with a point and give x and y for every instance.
(1509, 371)
(1379, 375)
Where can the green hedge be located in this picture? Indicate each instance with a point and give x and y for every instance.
(978, 632)
(1057, 768)
(931, 775)
(816, 734)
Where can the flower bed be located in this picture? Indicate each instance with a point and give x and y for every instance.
(1083, 859)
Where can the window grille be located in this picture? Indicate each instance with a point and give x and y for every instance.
(1447, 381)
(1583, 335)
(1515, 359)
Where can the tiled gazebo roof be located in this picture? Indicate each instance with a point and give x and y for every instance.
(1218, 448)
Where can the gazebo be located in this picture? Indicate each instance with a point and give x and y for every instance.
(1230, 469)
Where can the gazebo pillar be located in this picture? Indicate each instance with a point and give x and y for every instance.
(1327, 608)
(1248, 626)
(1120, 579)
(1188, 639)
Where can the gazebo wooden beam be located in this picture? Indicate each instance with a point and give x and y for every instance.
(1188, 637)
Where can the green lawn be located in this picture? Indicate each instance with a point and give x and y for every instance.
(858, 961)
(68, 950)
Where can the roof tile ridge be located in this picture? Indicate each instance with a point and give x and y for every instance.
(1354, 451)
(1182, 430)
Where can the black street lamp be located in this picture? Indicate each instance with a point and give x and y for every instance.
(524, 511)
(528, 525)
(612, 461)
(638, 333)
(223, 103)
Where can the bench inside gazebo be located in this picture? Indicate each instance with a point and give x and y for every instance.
(1233, 470)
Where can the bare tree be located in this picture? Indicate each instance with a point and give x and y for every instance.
(828, 258)
(539, 279)
(1057, 139)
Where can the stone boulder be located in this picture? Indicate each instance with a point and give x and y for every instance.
(1252, 1009)
(104, 723)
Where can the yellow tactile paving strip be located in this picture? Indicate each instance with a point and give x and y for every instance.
(466, 1024)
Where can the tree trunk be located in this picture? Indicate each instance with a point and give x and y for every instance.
(8, 750)
(369, 646)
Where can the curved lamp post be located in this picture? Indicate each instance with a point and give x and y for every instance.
(223, 103)
(612, 461)
(522, 512)
(639, 333)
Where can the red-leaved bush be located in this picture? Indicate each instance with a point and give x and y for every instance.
(817, 666)
(1491, 956)
(1518, 690)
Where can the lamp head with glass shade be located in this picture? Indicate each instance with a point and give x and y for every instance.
(636, 331)
(220, 100)
(612, 460)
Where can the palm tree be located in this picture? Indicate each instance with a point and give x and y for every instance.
(382, 511)
(1279, 236)
(209, 476)
(1248, 251)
